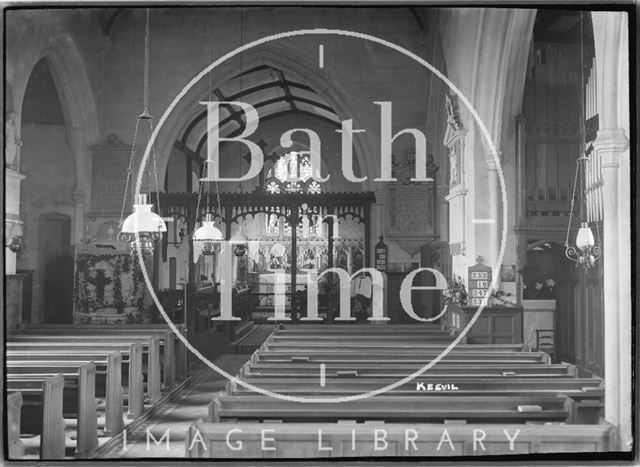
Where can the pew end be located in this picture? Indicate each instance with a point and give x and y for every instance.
(14, 407)
(214, 411)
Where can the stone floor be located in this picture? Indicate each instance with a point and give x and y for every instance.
(173, 419)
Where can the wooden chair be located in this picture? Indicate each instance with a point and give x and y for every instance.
(546, 342)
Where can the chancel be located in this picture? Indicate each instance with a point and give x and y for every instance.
(288, 232)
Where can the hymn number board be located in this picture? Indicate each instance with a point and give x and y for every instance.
(479, 283)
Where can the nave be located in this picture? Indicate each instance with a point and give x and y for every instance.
(479, 399)
(323, 215)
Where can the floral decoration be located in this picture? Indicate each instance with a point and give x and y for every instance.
(108, 289)
(456, 292)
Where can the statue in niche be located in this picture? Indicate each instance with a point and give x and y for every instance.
(454, 177)
(12, 141)
(453, 114)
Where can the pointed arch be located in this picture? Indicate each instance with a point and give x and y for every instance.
(79, 109)
(345, 102)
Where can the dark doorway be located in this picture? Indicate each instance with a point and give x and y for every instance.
(56, 263)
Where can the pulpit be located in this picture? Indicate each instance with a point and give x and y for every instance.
(495, 325)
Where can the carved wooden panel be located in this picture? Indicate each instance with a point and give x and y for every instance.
(551, 133)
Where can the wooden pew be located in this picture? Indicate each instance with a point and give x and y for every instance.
(133, 350)
(591, 388)
(179, 350)
(389, 408)
(587, 393)
(372, 343)
(108, 376)
(151, 344)
(425, 348)
(352, 328)
(41, 412)
(173, 365)
(364, 337)
(108, 364)
(79, 398)
(297, 370)
(488, 357)
(14, 407)
(301, 440)
(354, 346)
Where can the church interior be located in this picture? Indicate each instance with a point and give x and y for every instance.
(317, 232)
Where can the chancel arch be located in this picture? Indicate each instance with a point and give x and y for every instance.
(341, 99)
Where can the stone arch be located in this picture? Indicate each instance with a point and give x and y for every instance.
(344, 101)
(79, 109)
(519, 40)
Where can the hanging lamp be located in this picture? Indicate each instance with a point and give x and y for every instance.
(143, 228)
(207, 238)
(586, 250)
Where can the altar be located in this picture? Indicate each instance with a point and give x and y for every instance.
(264, 287)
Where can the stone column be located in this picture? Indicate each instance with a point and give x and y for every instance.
(443, 211)
(494, 202)
(457, 229)
(78, 230)
(612, 146)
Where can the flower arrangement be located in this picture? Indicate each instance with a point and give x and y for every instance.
(456, 292)
(502, 298)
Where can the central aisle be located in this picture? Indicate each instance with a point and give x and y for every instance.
(186, 407)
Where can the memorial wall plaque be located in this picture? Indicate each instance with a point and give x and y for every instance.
(411, 203)
(109, 176)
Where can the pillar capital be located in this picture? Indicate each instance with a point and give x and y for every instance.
(610, 143)
(458, 190)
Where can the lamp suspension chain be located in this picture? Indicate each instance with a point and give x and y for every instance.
(583, 153)
(129, 173)
(143, 228)
(573, 201)
(145, 111)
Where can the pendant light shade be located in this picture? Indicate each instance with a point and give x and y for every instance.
(207, 238)
(143, 219)
(584, 239)
(144, 222)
